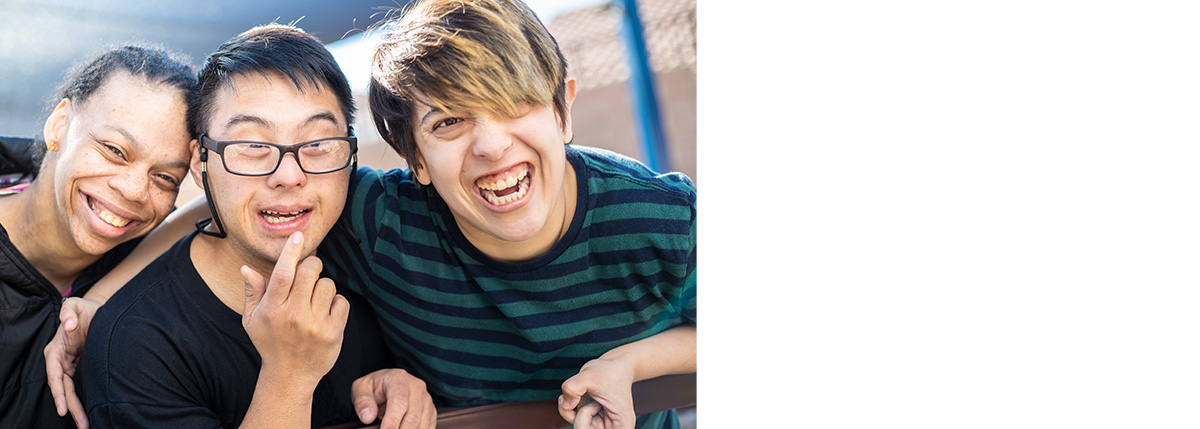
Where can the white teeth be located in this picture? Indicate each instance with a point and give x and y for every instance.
(506, 183)
(110, 218)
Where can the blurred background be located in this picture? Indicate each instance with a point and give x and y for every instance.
(40, 40)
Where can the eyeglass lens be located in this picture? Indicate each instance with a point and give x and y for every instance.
(315, 157)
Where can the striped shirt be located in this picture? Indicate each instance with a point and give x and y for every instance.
(480, 331)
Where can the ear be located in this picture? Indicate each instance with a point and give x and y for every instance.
(194, 146)
(419, 171)
(55, 129)
(569, 97)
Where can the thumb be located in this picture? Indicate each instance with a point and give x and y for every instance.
(364, 399)
(573, 392)
(255, 288)
(69, 316)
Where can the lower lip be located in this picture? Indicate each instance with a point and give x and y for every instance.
(99, 225)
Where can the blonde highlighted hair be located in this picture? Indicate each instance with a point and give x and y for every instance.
(462, 55)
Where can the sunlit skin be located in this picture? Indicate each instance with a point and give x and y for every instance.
(260, 213)
(111, 173)
(467, 155)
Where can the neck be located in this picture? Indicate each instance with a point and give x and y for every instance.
(219, 264)
(46, 241)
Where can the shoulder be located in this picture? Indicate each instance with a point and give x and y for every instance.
(378, 193)
(131, 338)
(373, 180)
(622, 189)
(138, 311)
(607, 171)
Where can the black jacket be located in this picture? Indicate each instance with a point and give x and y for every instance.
(29, 306)
(16, 156)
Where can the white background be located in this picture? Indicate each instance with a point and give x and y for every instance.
(941, 215)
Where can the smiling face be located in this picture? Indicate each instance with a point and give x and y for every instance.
(120, 158)
(506, 179)
(259, 213)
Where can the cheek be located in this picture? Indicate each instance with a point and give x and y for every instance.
(336, 198)
(164, 201)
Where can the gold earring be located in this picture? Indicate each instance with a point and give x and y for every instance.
(52, 146)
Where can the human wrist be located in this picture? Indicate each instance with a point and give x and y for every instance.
(621, 364)
(286, 380)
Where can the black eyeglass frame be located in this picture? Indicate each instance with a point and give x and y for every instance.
(219, 146)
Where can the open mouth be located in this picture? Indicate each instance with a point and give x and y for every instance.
(274, 217)
(503, 188)
(107, 216)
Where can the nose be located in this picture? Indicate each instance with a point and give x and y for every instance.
(133, 185)
(492, 140)
(288, 174)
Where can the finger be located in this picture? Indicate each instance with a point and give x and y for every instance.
(430, 420)
(414, 416)
(307, 275)
(72, 346)
(565, 411)
(323, 294)
(74, 405)
(584, 415)
(362, 390)
(54, 372)
(255, 290)
(573, 393)
(339, 310)
(394, 411)
(367, 408)
(284, 273)
(68, 316)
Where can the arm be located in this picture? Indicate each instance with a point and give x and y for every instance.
(64, 350)
(296, 322)
(178, 224)
(601, 394)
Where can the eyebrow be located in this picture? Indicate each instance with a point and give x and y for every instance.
(431, 113)
(241, 119)
(140, 148)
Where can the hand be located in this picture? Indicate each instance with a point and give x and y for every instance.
(600, 396)
(296, 321)
(405, 401)
(63, 353)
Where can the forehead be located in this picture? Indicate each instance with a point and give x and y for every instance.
(272, 99)
(148, 115)
(122, 92)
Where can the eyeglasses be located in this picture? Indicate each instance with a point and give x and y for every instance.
(249, 158)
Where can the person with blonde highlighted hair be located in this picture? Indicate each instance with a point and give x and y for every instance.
(507, 264)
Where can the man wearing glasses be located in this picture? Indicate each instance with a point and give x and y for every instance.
(234, 325)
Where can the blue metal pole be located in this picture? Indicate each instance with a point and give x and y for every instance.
(641, 88)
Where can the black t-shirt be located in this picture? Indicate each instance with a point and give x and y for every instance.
(166, 352)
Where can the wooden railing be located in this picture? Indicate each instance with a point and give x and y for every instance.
(657, 394)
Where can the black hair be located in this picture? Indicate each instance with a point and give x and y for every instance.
(272, 47)
(152, 63)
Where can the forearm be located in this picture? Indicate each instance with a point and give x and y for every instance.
(279, 403)
(670, 352)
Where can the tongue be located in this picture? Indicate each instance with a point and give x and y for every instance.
(506, 191)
